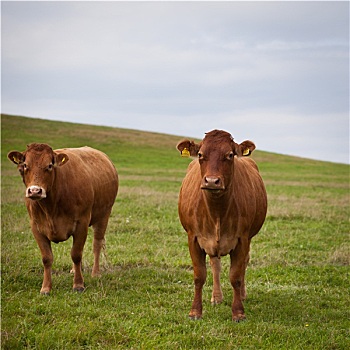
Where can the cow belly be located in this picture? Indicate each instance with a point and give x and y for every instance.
(217, 248)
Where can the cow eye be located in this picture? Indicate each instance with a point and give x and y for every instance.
(200, 155)
(230, 155)
(22, 169)
(50, 166)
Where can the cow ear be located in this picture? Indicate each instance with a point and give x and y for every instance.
(61, 159)
(188, 148)
(16, 157)
(245, 148)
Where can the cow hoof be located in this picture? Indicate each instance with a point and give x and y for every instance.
(195, 315)
(47, 292)
(79, 289)
(194, 318)
(238, 318)
(216, 300)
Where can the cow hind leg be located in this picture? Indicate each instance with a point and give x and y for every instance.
(98, 244)
(217, 295)
(243, 287)
(237, 278)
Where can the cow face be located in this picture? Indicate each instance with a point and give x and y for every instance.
(37, 168)
(216, 157)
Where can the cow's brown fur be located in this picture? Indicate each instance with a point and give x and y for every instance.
(222, 205)
(68, 190)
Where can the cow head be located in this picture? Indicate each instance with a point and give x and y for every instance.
(216, 155)
(37, 168)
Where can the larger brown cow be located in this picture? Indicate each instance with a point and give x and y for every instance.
(67, 190)
(222, 205)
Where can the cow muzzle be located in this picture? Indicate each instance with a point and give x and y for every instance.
(212, 183)
(35, 192)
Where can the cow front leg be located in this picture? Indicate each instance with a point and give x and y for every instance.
(47, 259)
(217, 295)
(199, 273)
(237, 276)
(79, 239)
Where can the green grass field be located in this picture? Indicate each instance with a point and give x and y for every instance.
(297, 280)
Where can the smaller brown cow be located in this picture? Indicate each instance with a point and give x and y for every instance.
(67, 190)
(222, 205)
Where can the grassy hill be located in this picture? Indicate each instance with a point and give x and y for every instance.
(297, 280)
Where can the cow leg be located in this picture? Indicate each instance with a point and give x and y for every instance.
(200, 273)
(47, 259)
(79, 239)
(237, 273)
(217, 296)
(243, 288)
(98, 243)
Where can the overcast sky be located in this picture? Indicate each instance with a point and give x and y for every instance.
(273, 72)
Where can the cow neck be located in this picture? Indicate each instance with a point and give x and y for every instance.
(46, 205)
(218, 205)
(49, 204)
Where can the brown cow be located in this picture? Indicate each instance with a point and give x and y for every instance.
(67, 190)
(222, 205)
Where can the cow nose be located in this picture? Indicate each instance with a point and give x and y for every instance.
(35, 192)
(212, 183)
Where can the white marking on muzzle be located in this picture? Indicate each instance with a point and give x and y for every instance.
(35, 192)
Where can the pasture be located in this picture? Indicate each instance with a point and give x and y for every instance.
(297, 280)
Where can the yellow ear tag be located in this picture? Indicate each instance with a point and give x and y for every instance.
(15, 159)
(63, 160)
(185, 153)
(246, 152)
